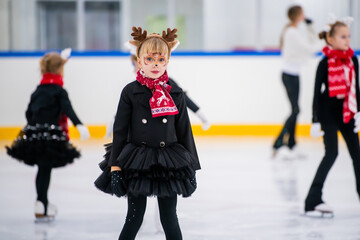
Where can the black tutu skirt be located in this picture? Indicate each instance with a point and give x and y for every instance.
(44, 145)
(148, 171)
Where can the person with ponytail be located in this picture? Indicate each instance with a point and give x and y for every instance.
(336, 107)
(44, 141)
(296, 48)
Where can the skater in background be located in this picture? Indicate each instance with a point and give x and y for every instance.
(153, 151)
(296, 48)
(336, 107)
(44, 141)
(189, 102)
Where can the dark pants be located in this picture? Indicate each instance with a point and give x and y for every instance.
(331, 152)
(287, 134)
(42, 184)
(135, 215)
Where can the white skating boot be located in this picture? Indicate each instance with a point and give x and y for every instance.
(323, 209)
(40, 212)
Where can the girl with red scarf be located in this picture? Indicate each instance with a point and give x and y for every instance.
(44, 141)
(336, 107)
(153, 152)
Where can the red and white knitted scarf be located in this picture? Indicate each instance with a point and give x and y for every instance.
(161, 103)
(49, 78)
(342, 86)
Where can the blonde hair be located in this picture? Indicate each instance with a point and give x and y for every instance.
(154, 45)
(52, 63)
(293, 13)
(332, 31)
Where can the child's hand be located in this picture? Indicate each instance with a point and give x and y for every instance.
(65, 54)
(109, 129)
(84, 131)
(118, 184)
(357, 122)
(308, 21)
(315, 130)
(205, 122)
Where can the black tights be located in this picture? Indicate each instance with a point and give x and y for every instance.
(331, 152)
(135, 215)
(42, 184)
(292, 89)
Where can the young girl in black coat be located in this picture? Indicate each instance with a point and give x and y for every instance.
(335, 108)
(44, 141)
(153, 151)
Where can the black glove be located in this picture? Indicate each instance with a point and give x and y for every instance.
(118, 184)
(193, 181)
(308, 21)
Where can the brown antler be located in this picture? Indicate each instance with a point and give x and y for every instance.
(138, 35)
(170, 35)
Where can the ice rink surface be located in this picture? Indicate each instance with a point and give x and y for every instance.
(242, 194)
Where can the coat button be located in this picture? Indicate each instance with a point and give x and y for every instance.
(162, 144)
(164, 120)
(144, 121)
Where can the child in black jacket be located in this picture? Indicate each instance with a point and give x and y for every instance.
(335, 108)
(44, 141)
(153, 151)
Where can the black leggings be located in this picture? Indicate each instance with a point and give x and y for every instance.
(291, 83)
(331, 152)
(42, 184)
(135, 215)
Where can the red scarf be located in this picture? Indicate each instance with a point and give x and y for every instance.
(161, 103)
(49, 78)
(342, 86)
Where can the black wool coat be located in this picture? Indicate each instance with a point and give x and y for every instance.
(134, 122)
(323, 104)
(47, 104)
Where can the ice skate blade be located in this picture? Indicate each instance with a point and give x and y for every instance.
(44, 219)
(273, 154)
(319, 214)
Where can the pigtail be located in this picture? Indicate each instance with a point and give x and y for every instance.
(322, 35)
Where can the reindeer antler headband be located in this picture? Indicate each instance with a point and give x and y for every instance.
(140, 37)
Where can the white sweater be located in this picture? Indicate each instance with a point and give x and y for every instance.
(297, 48)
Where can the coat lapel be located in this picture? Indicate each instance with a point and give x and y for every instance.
(142, 95)
(175, 93)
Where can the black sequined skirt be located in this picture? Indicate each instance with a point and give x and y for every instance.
(149, 171)
(44, 145)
